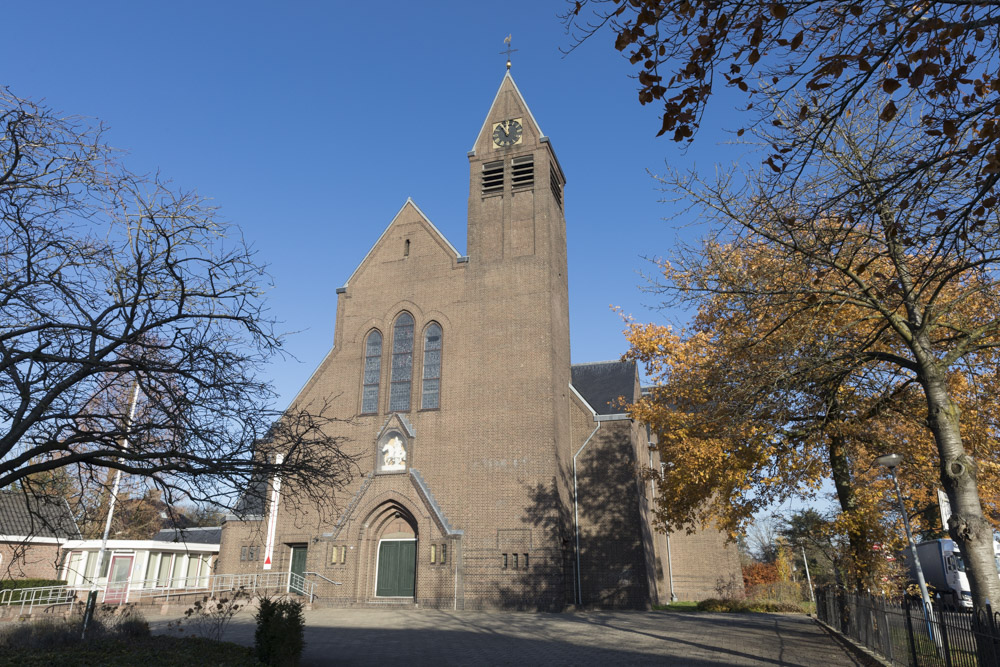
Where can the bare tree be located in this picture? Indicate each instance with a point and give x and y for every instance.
(111, 283)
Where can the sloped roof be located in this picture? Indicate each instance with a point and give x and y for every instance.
(206, 535)
(24, 514)
(252, 501)
(602, 383)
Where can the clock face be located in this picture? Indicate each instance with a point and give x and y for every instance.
(507, 132)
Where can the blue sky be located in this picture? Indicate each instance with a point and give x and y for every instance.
(310, 123)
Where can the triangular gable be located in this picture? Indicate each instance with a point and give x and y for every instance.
(423, 216)
(508, 80)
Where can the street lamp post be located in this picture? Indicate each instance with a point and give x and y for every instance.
(892, 461)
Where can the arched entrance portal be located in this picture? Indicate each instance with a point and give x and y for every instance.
(396, 553)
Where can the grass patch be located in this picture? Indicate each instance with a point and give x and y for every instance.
(680, 605)
(147, 651)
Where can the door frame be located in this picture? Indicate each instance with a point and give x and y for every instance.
(119, 598)
(378, 554)
(291, 560)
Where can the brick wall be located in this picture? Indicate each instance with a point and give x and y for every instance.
(28, 561)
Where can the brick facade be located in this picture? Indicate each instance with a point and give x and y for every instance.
(488, 477)
(29, 560)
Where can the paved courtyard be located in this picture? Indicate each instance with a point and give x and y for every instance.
(432, 637)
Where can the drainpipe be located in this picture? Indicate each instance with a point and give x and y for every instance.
(670, 570)
(454, 562)
(576, 518)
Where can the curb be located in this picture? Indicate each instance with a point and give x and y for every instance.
(863, 653)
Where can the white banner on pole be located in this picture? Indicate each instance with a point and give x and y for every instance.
(945, 505)
(272, 515)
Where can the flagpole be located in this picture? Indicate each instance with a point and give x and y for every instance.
(92, 597)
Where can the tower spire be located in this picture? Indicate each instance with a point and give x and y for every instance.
(508, 50)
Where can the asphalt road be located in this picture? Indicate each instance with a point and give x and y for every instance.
(434, 637)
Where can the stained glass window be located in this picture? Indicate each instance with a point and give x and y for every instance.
(373, 373)
(402, 364)
(431, 397)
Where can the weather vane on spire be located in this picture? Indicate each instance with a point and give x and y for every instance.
(508, 51)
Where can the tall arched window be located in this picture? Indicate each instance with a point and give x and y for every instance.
(402, 364)
(431, 394)
(373, 373)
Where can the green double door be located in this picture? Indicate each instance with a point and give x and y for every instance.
(397, 563)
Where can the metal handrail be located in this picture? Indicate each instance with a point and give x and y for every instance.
(335, 583)
(39, 596)
(154, 588)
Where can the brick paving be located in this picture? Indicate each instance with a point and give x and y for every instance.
(434, 637)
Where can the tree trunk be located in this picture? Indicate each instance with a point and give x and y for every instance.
(840, 467)
(967, 526)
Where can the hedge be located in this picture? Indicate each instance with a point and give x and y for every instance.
(8, 584)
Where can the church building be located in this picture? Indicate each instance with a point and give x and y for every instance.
(495, 473)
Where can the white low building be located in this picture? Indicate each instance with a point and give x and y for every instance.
(173, 561)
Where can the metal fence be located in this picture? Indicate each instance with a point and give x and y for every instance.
(900, 632)
(163, 591)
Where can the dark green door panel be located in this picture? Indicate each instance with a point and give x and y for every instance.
(397, 564)
(298, 570)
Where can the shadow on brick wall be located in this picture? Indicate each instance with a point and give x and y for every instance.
(612, 560)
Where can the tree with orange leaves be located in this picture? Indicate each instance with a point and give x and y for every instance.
(829, 307)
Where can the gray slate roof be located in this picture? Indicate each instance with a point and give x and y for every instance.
(206, 535)
(253, 499)
(602, 383)
(36, 516)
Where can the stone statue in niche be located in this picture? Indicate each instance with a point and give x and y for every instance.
(393, 454)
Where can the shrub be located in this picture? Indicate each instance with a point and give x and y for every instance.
(122, 621)
(730, 589)
(740, 606)
(778, 591)
(7, 584)
(44, 633)
(756, 574)
(280, 632)
(210, 616)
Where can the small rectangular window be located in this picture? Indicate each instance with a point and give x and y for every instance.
(525, 561)
(433, 554)
(515, 561)
(343, 555)
(505, 561)
(243, 553)
(444, 554)
(493, 178)
(523, 172)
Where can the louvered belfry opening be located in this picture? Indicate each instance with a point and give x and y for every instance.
(554, 184)
(493, 178)
(523, 172)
